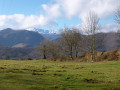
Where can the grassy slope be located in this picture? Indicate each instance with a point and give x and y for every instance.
(49, 75)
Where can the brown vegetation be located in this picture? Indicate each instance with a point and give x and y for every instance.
(92, 81)
(101, 56)
(28, 58)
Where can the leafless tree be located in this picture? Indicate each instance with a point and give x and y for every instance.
(44, 48)
(91, 27)
(117, 19)
(53, 49)
(71, 41)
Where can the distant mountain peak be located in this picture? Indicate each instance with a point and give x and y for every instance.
(7, 29)
(10, 37)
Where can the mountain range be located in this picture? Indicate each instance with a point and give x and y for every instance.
(16, 43)
(24, 38)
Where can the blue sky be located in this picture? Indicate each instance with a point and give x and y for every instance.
(26, 7)
(53, 14)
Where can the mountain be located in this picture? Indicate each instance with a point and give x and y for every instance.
(11, 38)
(51, 36)
(16, 53)
(41, 31)
(20, 44)
(111, 41)
(47, 34)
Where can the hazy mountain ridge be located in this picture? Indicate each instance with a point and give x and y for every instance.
(47, 34)
(25, 38)
(21, 43)
(9, 37)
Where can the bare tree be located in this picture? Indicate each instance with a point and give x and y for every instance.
(53, 49)
(44, 48)
(71, 40)
(91, 27)
(117, 19)
(77, 41)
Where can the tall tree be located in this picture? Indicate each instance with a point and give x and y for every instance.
(44, 48)
(91, 27)
(53, 49)
(71, 39)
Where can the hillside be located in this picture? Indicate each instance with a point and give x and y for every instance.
(8, 53)
(9, 37)
(15, 44)
(112, 55)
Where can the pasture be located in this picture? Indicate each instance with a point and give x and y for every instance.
(55, 75)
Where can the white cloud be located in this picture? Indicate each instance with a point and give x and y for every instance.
(110, 27)
(113, 27)
(3, 19)
(19, 21)
(60, 8)
(81, 7)
(52, 11)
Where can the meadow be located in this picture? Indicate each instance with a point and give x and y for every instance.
(55, 75)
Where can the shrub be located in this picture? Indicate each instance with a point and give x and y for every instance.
(28, 58)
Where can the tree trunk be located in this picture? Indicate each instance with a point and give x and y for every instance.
(44, 56)
(71, 53)
(44, 53)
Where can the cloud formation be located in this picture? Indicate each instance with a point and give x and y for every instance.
(20, 21)
(80, 7)
(60, 8)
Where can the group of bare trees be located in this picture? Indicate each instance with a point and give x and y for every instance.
(72, 43)
(69, 44)
(49, 48)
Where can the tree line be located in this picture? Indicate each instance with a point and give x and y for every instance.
(72, 43)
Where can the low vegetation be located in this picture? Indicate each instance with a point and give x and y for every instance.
(54, 75)
(102, 56)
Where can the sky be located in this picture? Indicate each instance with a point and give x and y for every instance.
(55, 14)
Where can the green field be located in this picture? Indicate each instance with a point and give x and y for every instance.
(50, 75)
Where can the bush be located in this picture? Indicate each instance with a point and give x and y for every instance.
(28, 58)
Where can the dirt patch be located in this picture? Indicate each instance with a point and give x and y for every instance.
(39, 70)
(55, 74)
(116, 89)
(56, 87)
(96, 72)
(64, 66)
(15, 69)
(2, 68)
(92, 81)
(34, 73)
(25, 69)
(68, 78)
(79, 67)
(61, 71)
(46, 67)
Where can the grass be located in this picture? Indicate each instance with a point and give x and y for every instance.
(50, 75)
